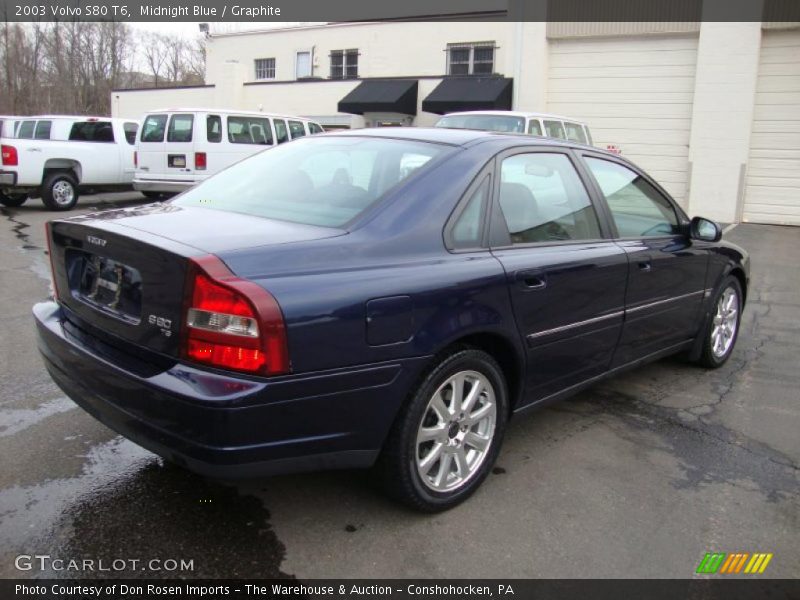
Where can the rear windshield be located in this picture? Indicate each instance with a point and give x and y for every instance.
(502, 123)
(325, 181)
(92, 131)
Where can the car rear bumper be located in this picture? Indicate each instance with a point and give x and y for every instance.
(227, 426)
(162, 185)
(8, 179)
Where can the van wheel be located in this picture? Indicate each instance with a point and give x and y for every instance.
(12, 200)
(447, 438)
(60, 191)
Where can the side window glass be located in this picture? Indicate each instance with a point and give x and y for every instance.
(249, 130)
(554, 129)
(543, 200)
(281, 133)
(180, 128)
(575, 132)
(214, 128)
(534, 127)
(638, 209)
(153, 128)
(43, 130)
(130, 130)
(26, 130)
(589, 136)
(296, 128)
(314, 128)
(466, 232)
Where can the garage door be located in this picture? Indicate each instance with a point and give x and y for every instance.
(634, 93)
(772, 194)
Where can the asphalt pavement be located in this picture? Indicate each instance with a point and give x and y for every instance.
(638, 476)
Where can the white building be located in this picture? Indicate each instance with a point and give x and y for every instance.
(711, 110)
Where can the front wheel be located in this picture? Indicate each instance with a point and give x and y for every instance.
(447, 438)
(12, 200)
(60, 191)
(722, 329)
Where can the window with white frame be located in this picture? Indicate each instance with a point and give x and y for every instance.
(302, 64)
(344, 64)
(476, 58)
(265, 68)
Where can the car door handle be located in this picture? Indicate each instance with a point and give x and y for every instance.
(532, 280)
(645, 266)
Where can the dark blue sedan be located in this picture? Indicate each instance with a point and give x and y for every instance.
(379, 297)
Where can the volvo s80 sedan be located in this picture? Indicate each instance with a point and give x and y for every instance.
(379, 298)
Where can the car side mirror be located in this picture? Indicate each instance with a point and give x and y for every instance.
(704, 230)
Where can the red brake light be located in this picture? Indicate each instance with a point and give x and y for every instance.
(232, 323)
(10, 158)
(200, 161)
(135, 158)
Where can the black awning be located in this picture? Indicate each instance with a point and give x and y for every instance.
(469, 93)
(382, 95)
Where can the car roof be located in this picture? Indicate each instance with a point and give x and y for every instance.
(218, 111)
(515, 113)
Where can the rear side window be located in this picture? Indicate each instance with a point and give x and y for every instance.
(314, 128)
(25, 130)
(555, 129)
(154, 128)
(214, 128)
(43, 130)
(249, 130)
(280, 131)
(589, 136)
(534, 127)
(575, 132)
(92, 131)
(130, 130)
(297, 130)
(466, 232)
(180, 128)
(543, 200)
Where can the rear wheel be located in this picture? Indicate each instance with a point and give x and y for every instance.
(443, 445)
(12, 200)
(723, 328)
(60, 191)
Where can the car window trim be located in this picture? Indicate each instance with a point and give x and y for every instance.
(683, 219)
(500, 237)
(447, 233)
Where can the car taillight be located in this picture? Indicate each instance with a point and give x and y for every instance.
(48, 234)
(135, 158)
(232, 323)
(9, 156)
(200, 161)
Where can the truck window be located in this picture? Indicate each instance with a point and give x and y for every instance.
(555, 129)
(92, 131)
(130, 130)
(153, 128)
(214, 128)
(249, 130)
(180, 128)
(25, 131)
(314, 128)
(296, 129)
(42, 131)
(575, 132)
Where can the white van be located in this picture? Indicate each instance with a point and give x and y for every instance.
(509, 121)
(178, 148)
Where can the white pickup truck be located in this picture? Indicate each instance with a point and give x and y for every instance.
(56, 157)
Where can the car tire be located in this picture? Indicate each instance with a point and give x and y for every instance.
(438, 453)
(722, 328)
(153, 195)
(60, 191)
(13, 200)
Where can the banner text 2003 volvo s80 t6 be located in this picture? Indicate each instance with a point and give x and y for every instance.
(379, 298)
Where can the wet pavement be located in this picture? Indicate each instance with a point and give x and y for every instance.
(636, 477)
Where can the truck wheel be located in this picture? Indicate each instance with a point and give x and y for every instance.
(12, 200)
(447, 437)
(60, 191)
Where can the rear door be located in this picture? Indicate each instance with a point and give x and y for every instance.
(565, 279)
(667, 269)
(180, 165)
(151, 147)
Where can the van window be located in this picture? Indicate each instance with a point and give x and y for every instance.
(575, 132)
(280, 131)
(297, 130)
(92, 131)
(43, 130)
(130, 130)
(25, 131)
(180, 128)
(555, 129)
(249, 130)
(588, 136)
(314, 128)
(153, 128)
(534, 127)
(214, 128)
